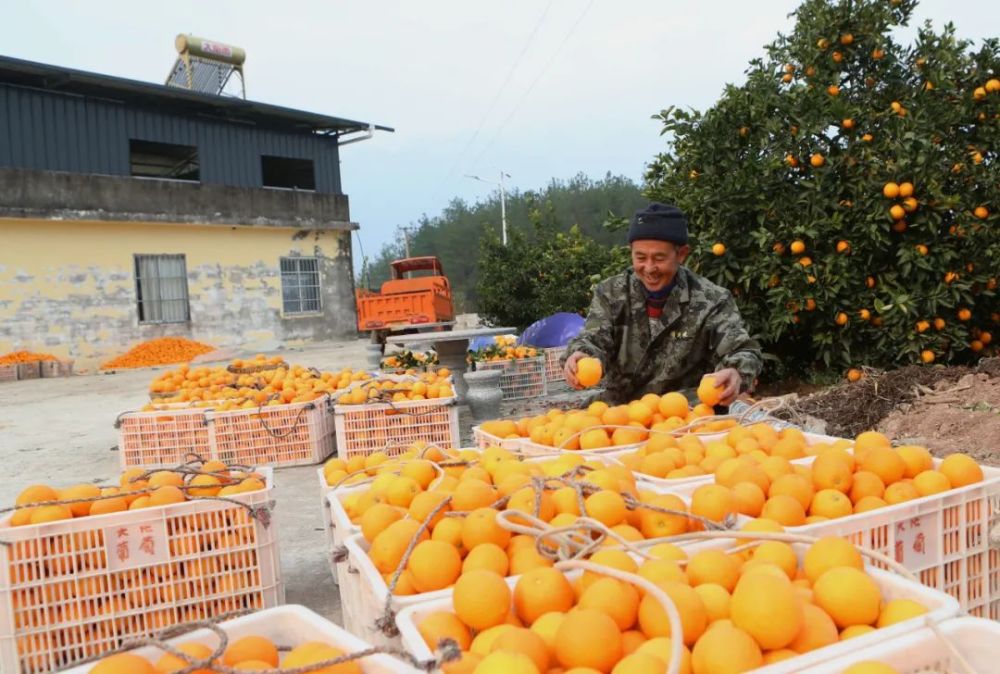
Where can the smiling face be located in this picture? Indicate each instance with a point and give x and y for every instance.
(656, 262)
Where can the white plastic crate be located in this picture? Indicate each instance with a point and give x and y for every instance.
(941, 607)
(393, 427)
(285, 626)
(923, 652)
(74, 588)
(521, 377)
(277, 435)
(482, 440)
(553, 369)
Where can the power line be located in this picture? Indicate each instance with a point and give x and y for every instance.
(537, 79)
(506, 81)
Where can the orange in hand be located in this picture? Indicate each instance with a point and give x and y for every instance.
(709, 392)
(589, 372)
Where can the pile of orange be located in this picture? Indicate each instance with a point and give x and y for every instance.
(162, 487)
(160, 351)
(600, 426)
(667, 457)
(465, 535)
(218, 388)
(738, 611)
(504, 347)
(17, 357)
(838, 483)
(250, 653)
(423, 386)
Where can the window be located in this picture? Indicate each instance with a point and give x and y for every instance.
(300, 285)
(289, 173)
(163, 160)
(161, 288)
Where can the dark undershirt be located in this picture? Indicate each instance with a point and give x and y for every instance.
(655, 300)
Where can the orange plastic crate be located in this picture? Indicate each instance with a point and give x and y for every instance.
(72, 589)
(391, 428)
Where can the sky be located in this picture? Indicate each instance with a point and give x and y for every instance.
(539, 89)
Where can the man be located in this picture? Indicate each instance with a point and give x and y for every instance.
(660, 327)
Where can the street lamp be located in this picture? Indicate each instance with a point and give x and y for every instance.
(503, 200)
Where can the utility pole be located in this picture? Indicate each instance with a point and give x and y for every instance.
(503, 200)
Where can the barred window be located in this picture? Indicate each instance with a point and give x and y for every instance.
(300, 285)
(161, 289)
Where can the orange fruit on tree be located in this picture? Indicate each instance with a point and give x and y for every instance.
(961, 470)
(588, 638)
(481, 599)
(849, 596)
(719, 249)
(905, 190)
(816, 160)
(541, 591)
(438, 625)
(589, 371)
(927, 356)
(981, 212)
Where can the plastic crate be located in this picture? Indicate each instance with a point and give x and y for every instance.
(923, 652)
(75, 588)
(278, 435)
(482, 440)
(8, 372)
(941, 607)
(553, 368)
(29, 371)
(285, 626)
(521, 377)
(392, 427)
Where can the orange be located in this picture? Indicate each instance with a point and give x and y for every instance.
(616, 416)
(506, 662)
(855, 631)
(250, 647)
(900, 492)
(673, 404)
(486, 556)
(595, 438)
(818, 630)
(482, 643)
(524, 499)
(831, 470)
(780, 554)
(726, 648)
(480, 526)
(540, 591)
(614, 559)
(766, 607)
(589, 372)
(51, 513)
(618, 600)
(312, 652)
(866, 484)
(640, 412)
(890, 190)
(439, 625)
(387, 548)
(449, 530)
(80, 491)
(795, 486)
(108, 505)
(401, 491)
(472, 494)
(204, 485)
(653, 619)
(869, 503)
(831, 504)
(714, 502)
(481, 599)
(898, 610)
(733, 471)
(420, 471)
(39, 493)
(660, 525)
(716, 600)
(713, 566)
(171, 663)
(641, 663)
(657, 570)
(749, 499)
(709, 392)
(546, 627)
(784, 510)
(849, 596)
(961, 470)
(931, 482)
(166, 495)
(917, 459)
(424, 503)
(884, 462)
(123, 663)
(434, 565)
(588, 638)
(828, 553)
(607, 507)
(523, 640)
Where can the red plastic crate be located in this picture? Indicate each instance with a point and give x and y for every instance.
(391, 428)
(72, 589)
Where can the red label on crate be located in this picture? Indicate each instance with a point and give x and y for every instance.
(917, 544)
(133, 545)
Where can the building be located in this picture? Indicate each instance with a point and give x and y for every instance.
(131, 210)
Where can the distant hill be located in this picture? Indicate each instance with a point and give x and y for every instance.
(454, 234)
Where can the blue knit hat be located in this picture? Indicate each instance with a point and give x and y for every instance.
(661, 222)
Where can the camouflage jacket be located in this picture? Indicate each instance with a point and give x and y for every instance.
(700, 332)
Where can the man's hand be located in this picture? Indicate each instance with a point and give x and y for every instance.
(569, 370)
(729, 379)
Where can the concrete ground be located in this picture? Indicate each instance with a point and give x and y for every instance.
(61, 432)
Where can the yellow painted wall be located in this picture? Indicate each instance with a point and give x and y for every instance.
(68, 287)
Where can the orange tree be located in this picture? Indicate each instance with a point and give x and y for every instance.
(847, 193)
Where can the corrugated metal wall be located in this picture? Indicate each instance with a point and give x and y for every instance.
(58, 132)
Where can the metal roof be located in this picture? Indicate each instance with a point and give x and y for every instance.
(67, 80)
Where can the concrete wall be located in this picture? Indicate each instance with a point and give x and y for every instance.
(68, 288)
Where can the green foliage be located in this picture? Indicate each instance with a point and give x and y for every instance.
(533, 277)
(742, 172)
(461, 226)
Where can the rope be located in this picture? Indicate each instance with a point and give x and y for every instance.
(963, 664)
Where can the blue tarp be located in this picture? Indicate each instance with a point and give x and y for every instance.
(554, 330)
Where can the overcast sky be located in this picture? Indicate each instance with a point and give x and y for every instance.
(538, 88)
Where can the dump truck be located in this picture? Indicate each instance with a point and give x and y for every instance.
(407, 303)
